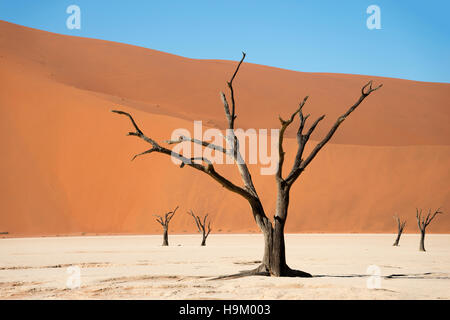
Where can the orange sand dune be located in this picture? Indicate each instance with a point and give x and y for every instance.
(65, 166)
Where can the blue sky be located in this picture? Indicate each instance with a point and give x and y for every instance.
(315, 36)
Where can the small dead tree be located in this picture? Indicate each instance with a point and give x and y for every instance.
(274, 259)
(201, 226)
(164, 222)
(423, 223)
(400, 227)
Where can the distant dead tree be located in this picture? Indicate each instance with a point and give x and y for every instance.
(274, 258)
(423, 223)
(400, 227)
(201, 226)
(164, 222)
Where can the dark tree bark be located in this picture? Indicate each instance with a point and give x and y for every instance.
(422, 241)
(423, 223)
(164, 222)
(201, 226)
(165, 236)
(400, 227)
(274, 259)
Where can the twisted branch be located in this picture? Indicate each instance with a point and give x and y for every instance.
(208, 168)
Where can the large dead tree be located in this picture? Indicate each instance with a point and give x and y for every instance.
(202, 227)
(423, 223)
(274, 259)
(400, 226)
(164, 222)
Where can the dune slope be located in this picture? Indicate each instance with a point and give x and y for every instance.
(66, 165)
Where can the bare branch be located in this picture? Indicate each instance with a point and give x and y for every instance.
(419, 218)
(338, 122)
(138, 131)
(209, 169)
(200, 142)
(284, 125)
(209, 228)
(423, 222)
(302, 140)
(430, 218)
(159, 219)
(369, 90)
(365, 91)
(231, 116)
(313, 126)
(197, 220)
(143, 153)
(230, 85)
(400, 224)
(175, 210)
(169, 215)
(227, 110)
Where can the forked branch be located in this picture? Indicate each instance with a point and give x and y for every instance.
(164, 221)
(302, 138)
(424, 221)
(400, 224)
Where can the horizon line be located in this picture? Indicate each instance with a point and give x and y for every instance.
(218, 59)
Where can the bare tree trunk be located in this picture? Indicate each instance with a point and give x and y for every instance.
(203, 241)
(165, 237)
(278, 262)
(422, 241)
(400, 226)
(274, 258)
(397, 240)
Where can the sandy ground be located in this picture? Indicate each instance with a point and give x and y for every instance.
(137, 267)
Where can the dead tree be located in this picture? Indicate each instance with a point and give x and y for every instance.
(400, 227)
(423, 223)
(201, 226)
(274, 259)
(164, 222)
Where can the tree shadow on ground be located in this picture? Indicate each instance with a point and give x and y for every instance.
(426, 275)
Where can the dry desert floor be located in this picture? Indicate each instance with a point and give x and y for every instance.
(137, 267)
